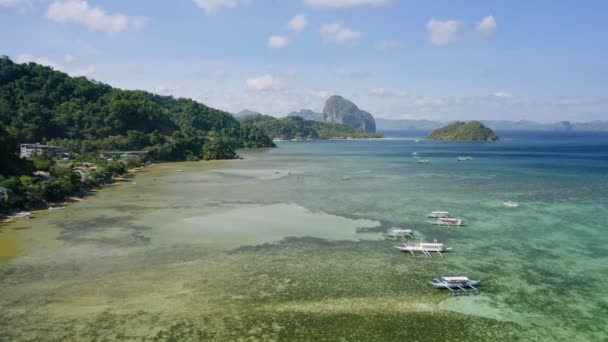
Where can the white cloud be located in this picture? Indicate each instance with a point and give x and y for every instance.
(67, 58)
(486, 26)
(298, 23)
(210, 6)
(382, 92)
(291, 71)
(138, 23)
(43, 60)
(86, 71)
(48, 61)
(442, 33)
(344, 3)
(12, 3)
(94, 18)
(387, 44)
(277, 42)
(264, 83)
(339, 33)
(502, 95)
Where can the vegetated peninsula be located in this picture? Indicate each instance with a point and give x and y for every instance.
(297, 128)
(61, 136)
(465, 131)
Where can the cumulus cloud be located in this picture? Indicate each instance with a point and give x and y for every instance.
(210, 6)
(502, 95)
(442, 33)
(298, 23)
(339, 34)
(277, 42)
(94, 18)
(264, 83)
(387, 44)
(344, 3)
(486, 26)
(43, 60)
(48, 61)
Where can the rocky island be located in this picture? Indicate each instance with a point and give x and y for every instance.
(464, 131)
(340, 110)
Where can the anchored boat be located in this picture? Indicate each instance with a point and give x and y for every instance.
(424, 249)
(511, 204)
(457, 285)
(464, 158)
(438, 214)
(423, 161)
(447, 221)
(398, 232)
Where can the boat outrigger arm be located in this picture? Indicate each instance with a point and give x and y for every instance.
(423, 250)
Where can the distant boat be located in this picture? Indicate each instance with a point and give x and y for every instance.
(464, 158)
(511, 204)
(438, 214)
(457, 285)
(23, 215)
(447, 221)
(56, 208)
(423, 161)
(417, 140)
(180, 170)
(346, 178)
(424, 248)
(398, 232)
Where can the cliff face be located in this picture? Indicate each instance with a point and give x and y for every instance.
(339, 110)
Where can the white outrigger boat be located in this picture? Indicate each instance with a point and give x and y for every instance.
(457, 285)
(399, 233)
(424, 161)
(511, 204)
(424, 248)
(23, 215)
(447, 221)
(438, 214)
(56, 208)
(464, 158)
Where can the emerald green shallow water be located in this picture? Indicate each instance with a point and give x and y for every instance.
(286, 245)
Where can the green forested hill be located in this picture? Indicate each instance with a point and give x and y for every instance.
(459, 130)
(40, 104)
(295, 127)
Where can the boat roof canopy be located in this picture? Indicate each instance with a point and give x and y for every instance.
(455, 278)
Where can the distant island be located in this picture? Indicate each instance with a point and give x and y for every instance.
(340, 110)
(383, 124)
(341, 119)
(297, 128)
(465, 131)
(308, 114)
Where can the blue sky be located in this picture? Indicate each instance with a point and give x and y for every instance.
(441, 60)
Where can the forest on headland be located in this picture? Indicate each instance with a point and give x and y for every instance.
(41, 105)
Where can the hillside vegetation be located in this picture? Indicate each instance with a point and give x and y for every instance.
(296, 128)
(459, 130)
(41, 105)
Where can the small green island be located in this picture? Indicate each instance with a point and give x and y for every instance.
(463, 131)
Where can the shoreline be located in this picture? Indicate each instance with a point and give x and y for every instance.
(116, 181)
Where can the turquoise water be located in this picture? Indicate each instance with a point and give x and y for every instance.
(286, 245)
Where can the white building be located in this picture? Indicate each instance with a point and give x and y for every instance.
(28, 150)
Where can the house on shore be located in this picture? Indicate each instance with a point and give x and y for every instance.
(29, 150)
